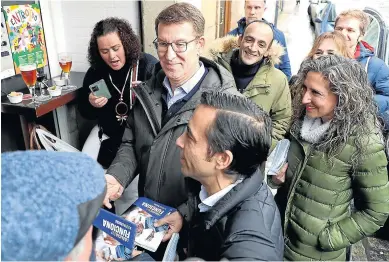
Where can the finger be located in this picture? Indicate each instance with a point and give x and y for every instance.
(100, 100)
(160, 222)
(284, 168)
(107, 203)
(167, 236)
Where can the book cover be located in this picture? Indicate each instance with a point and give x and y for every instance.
(119, 235)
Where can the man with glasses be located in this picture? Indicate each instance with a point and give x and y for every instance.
(163, 107)
(252, 66)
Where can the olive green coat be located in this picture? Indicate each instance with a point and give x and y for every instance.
(269, 87)
(315, 199)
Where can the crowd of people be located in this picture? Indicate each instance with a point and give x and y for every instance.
(197, 125)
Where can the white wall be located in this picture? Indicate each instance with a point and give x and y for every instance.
(69, 24)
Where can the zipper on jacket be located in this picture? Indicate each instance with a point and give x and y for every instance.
(153, 120)
(163, 163)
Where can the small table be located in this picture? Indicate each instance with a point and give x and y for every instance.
(28, 113)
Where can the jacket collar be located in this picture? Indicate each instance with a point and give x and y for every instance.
(238, 194)
(363, 50)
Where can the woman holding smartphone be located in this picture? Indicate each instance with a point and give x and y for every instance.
(336, 156)
(114, 50)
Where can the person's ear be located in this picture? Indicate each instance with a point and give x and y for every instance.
(224, 160)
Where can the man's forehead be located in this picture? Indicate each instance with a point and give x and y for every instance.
(202, 117)
(260, 3)
(258, 30)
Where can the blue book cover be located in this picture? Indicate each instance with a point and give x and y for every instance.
(118, 235)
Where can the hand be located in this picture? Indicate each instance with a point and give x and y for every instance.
(280, 177)
(114, 190)
(174, 220)
(97, 101)
(136, 83)
(136, 253)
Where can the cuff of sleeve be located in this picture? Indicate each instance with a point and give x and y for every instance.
(183, 209)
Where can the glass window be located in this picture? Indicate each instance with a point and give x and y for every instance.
(372, 33)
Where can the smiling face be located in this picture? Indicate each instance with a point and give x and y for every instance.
(350, 28)
(318, 99)
(179, 66)
(327, 47)
(111, 50)
(255, 43)
(254, 10)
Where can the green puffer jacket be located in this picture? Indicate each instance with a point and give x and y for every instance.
(269, 87)
(315, 200)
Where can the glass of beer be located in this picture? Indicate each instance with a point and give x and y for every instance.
(28, 71)
(65, 62)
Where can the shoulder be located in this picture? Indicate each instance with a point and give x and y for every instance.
(91, 76)
(279, 36)
(378, 64)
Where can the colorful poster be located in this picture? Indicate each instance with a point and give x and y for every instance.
(26, 35)
(7, 64)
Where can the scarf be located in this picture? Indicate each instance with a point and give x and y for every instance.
(313, 129)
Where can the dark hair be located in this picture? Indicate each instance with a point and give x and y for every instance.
(241, 127)
(181, 13)
(129, 39)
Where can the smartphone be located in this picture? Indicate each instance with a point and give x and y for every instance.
(100, 88)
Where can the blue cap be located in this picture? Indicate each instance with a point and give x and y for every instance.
(48, 202)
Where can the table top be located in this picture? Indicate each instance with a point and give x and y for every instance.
(24, 108)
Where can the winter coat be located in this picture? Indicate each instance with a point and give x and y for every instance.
(284, 66)
(269, 87)
(245, 224)
(315, 200)
(106, 115)
(149, 148)
(377, 73)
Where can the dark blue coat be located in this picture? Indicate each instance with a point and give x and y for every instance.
(378, 75)
(284, 66)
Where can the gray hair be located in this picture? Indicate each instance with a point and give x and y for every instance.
(180, 13)
(355, 113)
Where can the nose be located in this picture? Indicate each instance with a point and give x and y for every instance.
(180, 141)
(170, 53)
(112, 54)
(306, 98)
(344, 32)
(252, 11)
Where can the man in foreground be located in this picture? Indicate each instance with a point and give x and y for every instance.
(235, 216)
(49, 201)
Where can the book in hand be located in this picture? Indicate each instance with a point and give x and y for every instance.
(135, 228)
(277, 158)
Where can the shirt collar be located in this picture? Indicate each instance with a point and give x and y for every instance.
(209, 201)
(188, 85)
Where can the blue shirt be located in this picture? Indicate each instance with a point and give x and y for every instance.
(181, 91)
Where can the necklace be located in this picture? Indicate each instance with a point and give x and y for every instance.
(121, 108)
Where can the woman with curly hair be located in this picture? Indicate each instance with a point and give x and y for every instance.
(336, 156)
(113, 50)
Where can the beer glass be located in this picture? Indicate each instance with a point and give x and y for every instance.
(28, 71)
(65, 62)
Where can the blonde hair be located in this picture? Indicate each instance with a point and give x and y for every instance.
(339, 40)
(363, 18)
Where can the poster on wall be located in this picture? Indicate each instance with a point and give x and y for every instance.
(26, 35)
(7, 64)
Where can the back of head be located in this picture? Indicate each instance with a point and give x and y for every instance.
(241, 127)
(358, 14)
(49, 201)
(339, 40)
(122, 27)
(181, 13)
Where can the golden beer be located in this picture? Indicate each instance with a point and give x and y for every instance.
(66, 66)
(28, 74)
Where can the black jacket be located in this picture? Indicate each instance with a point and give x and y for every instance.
(149, 147)
(243, 225)
(106, 115)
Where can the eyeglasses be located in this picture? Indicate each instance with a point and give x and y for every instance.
(178, 47)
